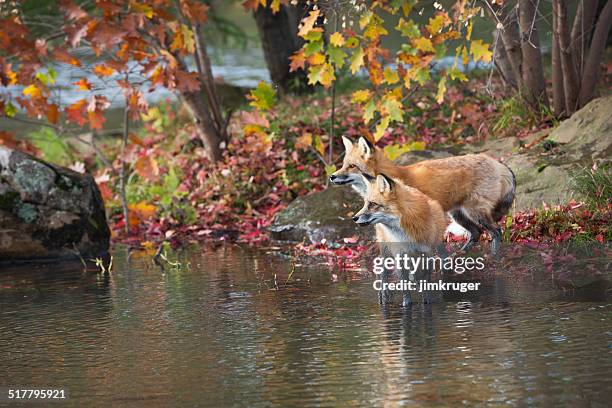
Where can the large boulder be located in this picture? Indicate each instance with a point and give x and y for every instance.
(544, 173)
(322, 215)
(48, 212)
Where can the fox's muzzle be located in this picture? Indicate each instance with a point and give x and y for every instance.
(363, 220)
(339, 179)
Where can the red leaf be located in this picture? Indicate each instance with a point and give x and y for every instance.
(75, 112)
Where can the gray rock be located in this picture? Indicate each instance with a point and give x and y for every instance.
(323, 215)
(48, 212)
(545, 174)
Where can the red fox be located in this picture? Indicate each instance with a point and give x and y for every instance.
(475, 189)
(405, 219)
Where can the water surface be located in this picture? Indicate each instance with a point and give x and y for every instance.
(230, 328)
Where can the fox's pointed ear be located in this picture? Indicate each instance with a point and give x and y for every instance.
(364, 147)
(348, 145)
(384, 184)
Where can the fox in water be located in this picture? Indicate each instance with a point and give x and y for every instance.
(406, 220)
(475, 189)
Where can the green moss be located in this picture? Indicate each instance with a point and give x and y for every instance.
(27, 212)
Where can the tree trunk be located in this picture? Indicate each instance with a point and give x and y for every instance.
(502, 62)
(592, 67)
(570, 76)
(211, 138)
(557, 72)
(208, 81)
(278, 33)
(581, 31)
(510, 37)
(533, 86)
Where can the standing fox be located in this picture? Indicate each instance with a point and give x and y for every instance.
(406, 220)
(475, 189)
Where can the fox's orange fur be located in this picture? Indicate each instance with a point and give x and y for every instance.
(477, 189)
(422, 219)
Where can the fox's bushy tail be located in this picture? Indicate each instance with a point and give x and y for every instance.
(508, 192)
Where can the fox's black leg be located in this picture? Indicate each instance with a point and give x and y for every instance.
(427, 294)
(384, 296)
(496, 234)
(443, 254)
(474, 229)
(495, 231)
(405, 275)
(406, 297)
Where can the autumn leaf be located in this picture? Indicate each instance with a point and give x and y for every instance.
(183, 40)
(275, 6)
(308, 23)
(303, 142)
(441, 90)
(408, 28)
(454, 73)
(316, 59)
(103, 70)
(82, 84)
(263, 97)
(356, 60)
(352, 42)
(375, 30)
(336, 39)
(331, 169)
(10, 110)
(96, 119)
(437, 23)
(141, 211)
(468, 33)
(381, 128)
(298, 60)
(361, 96)
(318, 145)
(323, 74)
(313, 47)
(47, 78)
(391, 76)
(147, 168)
(142, 8)
(395, 151)
(252, 5)
(480, 51)
(423, 44)
(368, 111)
(53, 113)
(32, 91)
(336, 56)
(75, 112)
(392, 108)
(194, 10)
(254, 118)
(133, 138)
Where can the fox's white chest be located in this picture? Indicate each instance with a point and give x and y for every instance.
(393, 233)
